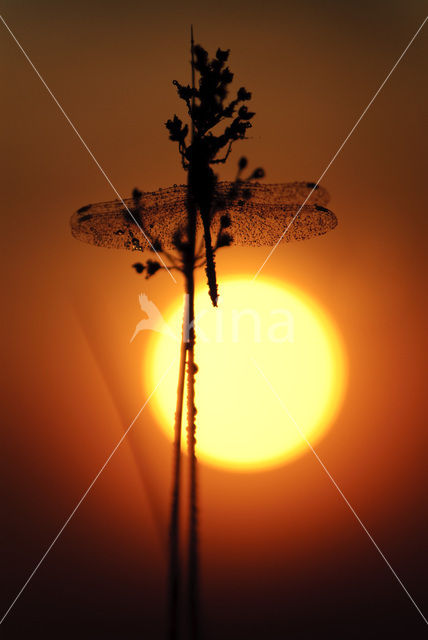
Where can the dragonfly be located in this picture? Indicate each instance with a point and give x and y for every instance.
(259, 214)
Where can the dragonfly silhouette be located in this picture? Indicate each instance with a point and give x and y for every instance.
(259, 214)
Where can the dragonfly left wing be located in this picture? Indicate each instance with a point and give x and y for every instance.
(109, 224)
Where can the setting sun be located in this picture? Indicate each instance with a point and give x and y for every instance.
(240, 422)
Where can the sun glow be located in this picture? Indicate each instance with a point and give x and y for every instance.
(240, 423)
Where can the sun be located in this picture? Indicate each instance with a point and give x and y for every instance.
(259, 326)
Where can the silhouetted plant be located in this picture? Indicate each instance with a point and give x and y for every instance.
(199, 149)
(241, 212)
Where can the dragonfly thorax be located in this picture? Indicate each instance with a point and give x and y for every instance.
(201, 178)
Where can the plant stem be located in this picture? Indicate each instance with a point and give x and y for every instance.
(191, 409)
(174, 531)
(191, 442)
(191, 370)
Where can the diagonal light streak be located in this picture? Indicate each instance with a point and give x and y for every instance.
(58, 535)
(42, 80)
(342, 145)
(361, 523)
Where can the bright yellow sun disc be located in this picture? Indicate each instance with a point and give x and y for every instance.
(271, 373)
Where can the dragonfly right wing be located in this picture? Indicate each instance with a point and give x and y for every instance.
(262, 214)
(254, 224)
(284, 193)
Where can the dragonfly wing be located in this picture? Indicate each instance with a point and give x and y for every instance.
(285, 193)
(113, 225)
(260, 214)
(257, 225)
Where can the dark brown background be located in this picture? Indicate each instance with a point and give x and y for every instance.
(282, 555)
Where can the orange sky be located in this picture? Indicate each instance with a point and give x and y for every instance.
(71, 379)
